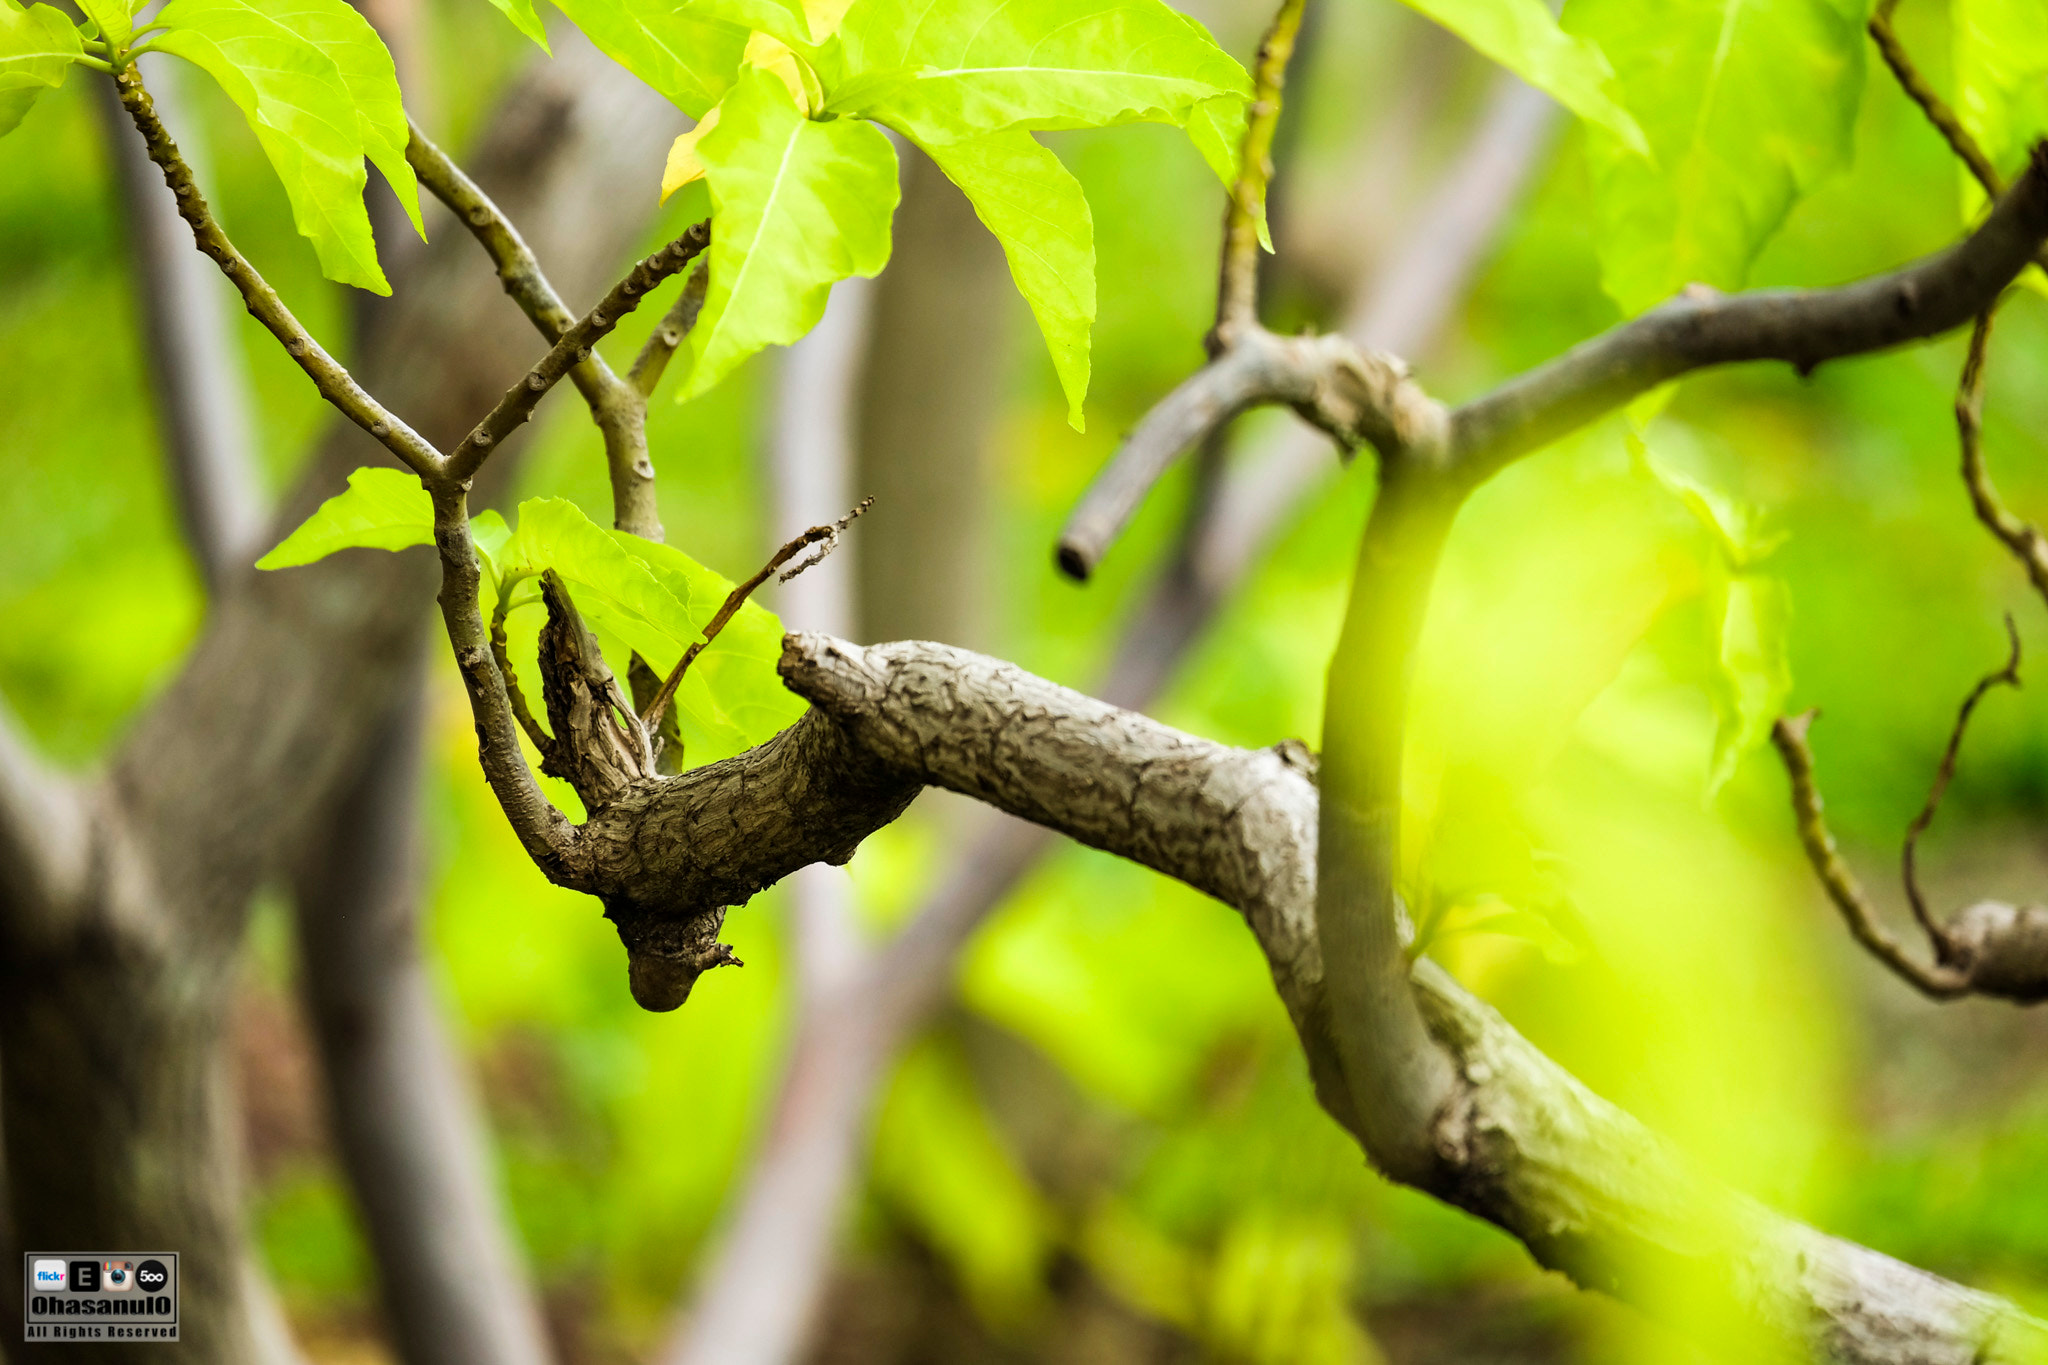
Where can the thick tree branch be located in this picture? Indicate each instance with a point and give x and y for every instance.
(1803, 327)
(752, 1306)
(336, 385)
(196, 371)
(1519, 1142)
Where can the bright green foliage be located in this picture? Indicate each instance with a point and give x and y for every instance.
(523, 18)
(338, 29)
(688, 57)
(1747, 610)
(37, 46)
(304, 109)
(1523, 36)
(383, 509)
(1036, 209)
(802, 193)
(2001, 60)
(940, 70)
(637, 594)
(796, 204)
(112, 18)
(1747, 104)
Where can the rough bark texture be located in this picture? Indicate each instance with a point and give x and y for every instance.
(113, 986)
(1521, 1143)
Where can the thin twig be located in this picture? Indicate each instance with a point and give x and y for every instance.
(1931, 104)
(1237, 295)
(518, 268)
(617, 406)
(824, 538)
(2007, 675)
(1789, 736)
(336, 385)
(543, 742)
(653, 359)
(572, 349)
(2022, 538)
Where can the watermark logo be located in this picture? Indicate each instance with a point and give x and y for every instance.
(101, 1296)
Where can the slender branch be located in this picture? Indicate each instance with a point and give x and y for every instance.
(518, 268)
(336, 385)
(572, 349)
(2007, 675)
(546, 834)
(2022, 538)
(1356, 396)
(617, 406)
(202, 399)
(660, 348)
(1802, 327)
(501, 653)
(824, 538)
(1922, 93)
(1237, 296)
(1938, 982)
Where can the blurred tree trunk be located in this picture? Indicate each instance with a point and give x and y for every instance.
(937, 358)
(119, 932)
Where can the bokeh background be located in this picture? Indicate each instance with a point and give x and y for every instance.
(1106, 1149)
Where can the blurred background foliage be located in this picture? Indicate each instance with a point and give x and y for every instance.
(1108, 1150)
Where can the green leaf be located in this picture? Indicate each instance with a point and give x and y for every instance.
(1752, 612)
(523, 18)
(304, 116)
(943, 70)
(2001, 60)
(1036, 209)
(795, 205)
(383, 509)
(37, 46)
(688, 57)
(1747, 105)
(1523, 37)
(113, 18)
(340, 31)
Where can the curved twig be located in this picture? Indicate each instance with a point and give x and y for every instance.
(820, 540)
(1922, 93)
(1789, 737)
(2022, 538)
(2007, 675)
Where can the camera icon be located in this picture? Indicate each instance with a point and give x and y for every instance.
(117, 1275)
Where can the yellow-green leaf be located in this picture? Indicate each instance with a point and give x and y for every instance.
(37, 46)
